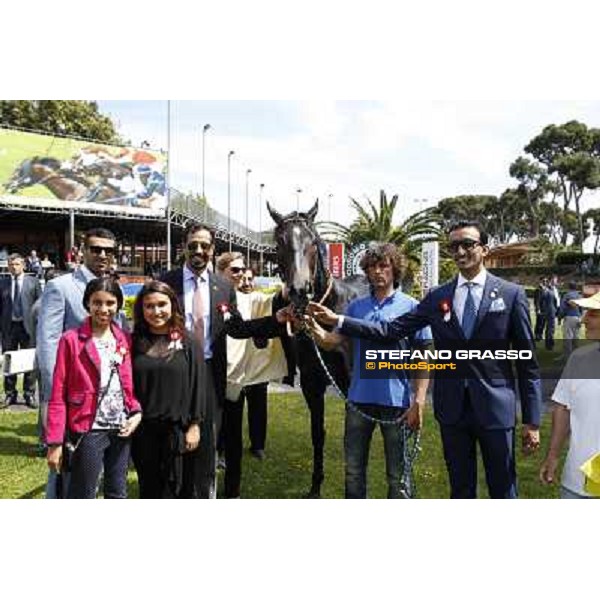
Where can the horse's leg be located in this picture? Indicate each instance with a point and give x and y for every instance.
(313, 388)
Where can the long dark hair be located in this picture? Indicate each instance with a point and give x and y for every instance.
(144, 341)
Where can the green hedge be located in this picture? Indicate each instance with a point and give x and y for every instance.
(527, 270)
(574, 258)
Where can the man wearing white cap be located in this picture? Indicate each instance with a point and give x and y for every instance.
(577, 409)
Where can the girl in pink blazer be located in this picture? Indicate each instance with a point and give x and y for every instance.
(92, 407)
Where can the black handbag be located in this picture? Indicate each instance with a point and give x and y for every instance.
(69, 447)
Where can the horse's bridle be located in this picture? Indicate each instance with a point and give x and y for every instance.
(315, 243)
(300, 309)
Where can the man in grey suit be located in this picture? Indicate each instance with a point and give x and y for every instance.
(62, 309)
(18, 294)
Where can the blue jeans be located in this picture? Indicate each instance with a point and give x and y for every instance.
(57, 486)
(357, 441)
(96, 450)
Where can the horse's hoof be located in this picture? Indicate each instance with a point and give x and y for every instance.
(314, 493)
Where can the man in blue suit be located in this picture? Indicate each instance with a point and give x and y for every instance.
(480, 406)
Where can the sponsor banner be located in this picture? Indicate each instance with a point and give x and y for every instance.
(354, 255)
(39, 170)
(430, 255)
(336, 260)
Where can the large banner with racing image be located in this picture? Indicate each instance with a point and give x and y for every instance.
(40, 170)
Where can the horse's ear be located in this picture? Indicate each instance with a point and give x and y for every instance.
(274, 214)
(312, 213)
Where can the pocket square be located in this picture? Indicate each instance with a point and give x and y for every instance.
(497, 305)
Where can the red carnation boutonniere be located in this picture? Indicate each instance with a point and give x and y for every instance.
(225, 310)
(175, 338)
(446, 309)
(119, 355)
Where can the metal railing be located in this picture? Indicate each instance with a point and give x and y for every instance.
(195, 210)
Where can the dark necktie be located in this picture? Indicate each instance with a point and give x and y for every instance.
(469, 312)
(17, 313)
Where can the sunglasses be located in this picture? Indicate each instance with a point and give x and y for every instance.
(99, 249)
(193, 246)
(466, 245)
(236, 270)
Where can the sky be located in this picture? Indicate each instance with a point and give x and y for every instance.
(333, 150)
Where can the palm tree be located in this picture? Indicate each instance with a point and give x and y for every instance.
(374, 224)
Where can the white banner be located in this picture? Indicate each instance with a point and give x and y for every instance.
(430, 265)
(19, 361)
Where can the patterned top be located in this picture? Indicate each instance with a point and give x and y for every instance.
(111, 410)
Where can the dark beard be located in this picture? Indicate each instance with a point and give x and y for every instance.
(193, 265)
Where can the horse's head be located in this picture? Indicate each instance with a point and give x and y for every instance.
(22, 177)
(30, 172)
(298, 252)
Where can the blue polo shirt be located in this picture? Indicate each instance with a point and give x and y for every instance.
(566, 310)
(394, 390)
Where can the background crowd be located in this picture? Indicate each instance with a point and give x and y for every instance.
(170, 391)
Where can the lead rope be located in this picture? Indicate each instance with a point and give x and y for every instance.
(410, 440)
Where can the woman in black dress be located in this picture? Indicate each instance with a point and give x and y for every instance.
(169, 381)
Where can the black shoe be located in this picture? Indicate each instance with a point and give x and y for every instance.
(259, 454)
(10, 399)
(30, 401)
(288, 380)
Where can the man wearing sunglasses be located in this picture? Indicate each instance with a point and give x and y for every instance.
(209, 304)
(480, 405)
(62, 308)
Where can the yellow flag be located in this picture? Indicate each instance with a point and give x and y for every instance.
(591, 470)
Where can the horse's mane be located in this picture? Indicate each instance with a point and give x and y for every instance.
(47, 161)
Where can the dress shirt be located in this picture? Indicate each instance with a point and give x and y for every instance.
(189, 287)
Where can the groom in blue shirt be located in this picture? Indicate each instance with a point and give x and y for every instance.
(388, 399)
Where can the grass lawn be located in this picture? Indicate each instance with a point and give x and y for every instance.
(286, 473)
(287, 470)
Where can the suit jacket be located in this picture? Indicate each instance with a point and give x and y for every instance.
(76, 388)
(221, 292)
(61, 309)
(491, 383)
(31, 290)
(549, 303)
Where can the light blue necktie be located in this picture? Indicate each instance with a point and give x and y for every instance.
(469, 312)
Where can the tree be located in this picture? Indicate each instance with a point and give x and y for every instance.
(77, 118)
(374, 223)
(571, 153)
(501, 217)
(534, 185)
